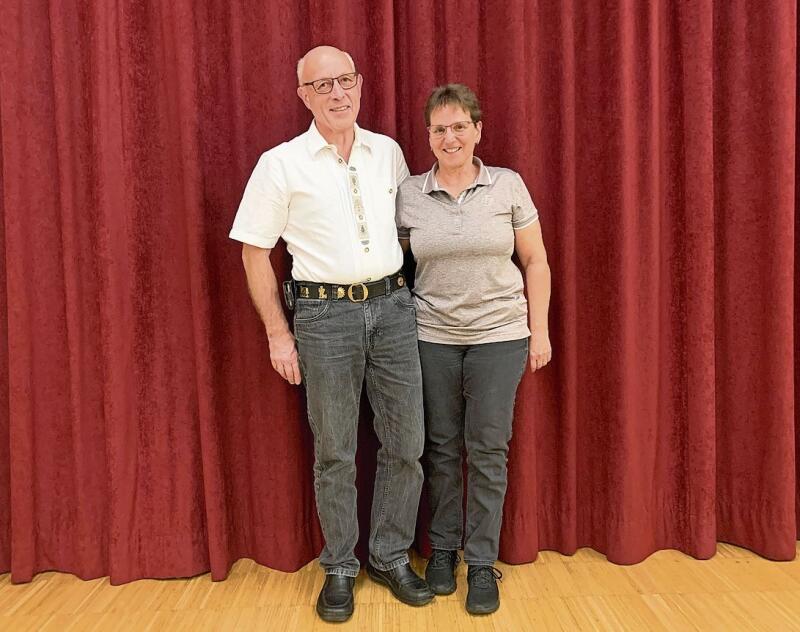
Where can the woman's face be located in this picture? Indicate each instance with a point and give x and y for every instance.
(453, 150)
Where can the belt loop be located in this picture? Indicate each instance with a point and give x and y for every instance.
(388, 281)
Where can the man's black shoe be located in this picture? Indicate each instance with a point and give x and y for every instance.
(335, 602)
(404, 583)
(482, 594)
(441, 571)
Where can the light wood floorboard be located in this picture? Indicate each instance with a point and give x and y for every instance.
(669, 591)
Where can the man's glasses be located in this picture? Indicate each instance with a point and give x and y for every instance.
(324, 86)
(459, 128)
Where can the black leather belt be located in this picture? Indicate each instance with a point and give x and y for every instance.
(354, 292)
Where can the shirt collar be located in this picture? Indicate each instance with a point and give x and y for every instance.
(483, 178)
(316, 142)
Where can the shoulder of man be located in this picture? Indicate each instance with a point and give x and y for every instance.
(379, 140)
(286, 149)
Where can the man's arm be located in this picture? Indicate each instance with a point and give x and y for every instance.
(264, 291)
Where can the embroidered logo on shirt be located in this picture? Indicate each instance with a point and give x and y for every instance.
(358, 208)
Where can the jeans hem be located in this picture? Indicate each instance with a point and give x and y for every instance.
(479, 562)
(391, 565)
(445, 547)
(344, 572)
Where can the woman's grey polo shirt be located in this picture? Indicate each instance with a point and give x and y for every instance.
(467, 288)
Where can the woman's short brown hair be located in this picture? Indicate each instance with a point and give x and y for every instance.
(453, 94)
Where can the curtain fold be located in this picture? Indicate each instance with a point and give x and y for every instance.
(754, 150)
(143, 432)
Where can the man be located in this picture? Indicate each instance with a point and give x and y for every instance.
(330, 194)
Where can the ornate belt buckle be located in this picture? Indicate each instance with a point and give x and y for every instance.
(364, 290)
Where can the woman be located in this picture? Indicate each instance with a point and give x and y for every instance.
(463, 222)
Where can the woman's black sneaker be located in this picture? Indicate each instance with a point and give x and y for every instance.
(482, 594)
(441, 571)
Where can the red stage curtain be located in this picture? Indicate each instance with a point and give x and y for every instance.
(143, 432)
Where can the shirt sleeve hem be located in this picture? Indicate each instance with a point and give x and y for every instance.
(526, 223)
(259, 241)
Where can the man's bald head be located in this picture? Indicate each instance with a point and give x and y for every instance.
(334, 111)
(316, 56)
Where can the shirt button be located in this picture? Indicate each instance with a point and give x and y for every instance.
(366, 249)
(391, 190)
(369, 278)
(340, 161)
(360, 217)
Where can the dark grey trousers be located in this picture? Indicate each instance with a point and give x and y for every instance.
(340, 345)
(469, 393)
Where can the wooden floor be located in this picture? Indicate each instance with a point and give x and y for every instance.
(736, 590)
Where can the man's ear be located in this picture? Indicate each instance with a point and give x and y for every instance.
(301, 92)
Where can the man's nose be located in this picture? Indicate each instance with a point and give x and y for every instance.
(337, 90)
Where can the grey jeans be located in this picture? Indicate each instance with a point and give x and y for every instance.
(469, 393)
(341, 344)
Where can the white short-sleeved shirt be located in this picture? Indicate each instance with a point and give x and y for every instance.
(337, 218)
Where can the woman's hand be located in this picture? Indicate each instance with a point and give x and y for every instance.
(540, 350)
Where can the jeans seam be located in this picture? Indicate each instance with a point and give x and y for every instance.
(460, 527)
(388, 470)
(322, 313)
(314, 429)
(401, 304)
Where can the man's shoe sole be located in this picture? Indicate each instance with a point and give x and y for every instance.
(335, 616)
(382, 580)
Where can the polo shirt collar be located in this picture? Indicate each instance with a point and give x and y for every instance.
(316, 142)
(483, 178)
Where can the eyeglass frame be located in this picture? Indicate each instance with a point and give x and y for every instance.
(446, 127)
(332, 79)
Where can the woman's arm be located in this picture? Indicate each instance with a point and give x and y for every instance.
(533, 257)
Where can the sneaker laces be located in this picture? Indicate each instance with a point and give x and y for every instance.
(442, 558)
(483, 576)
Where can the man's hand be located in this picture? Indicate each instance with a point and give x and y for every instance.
(263, 288)
(540, 350)
(283, 355)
